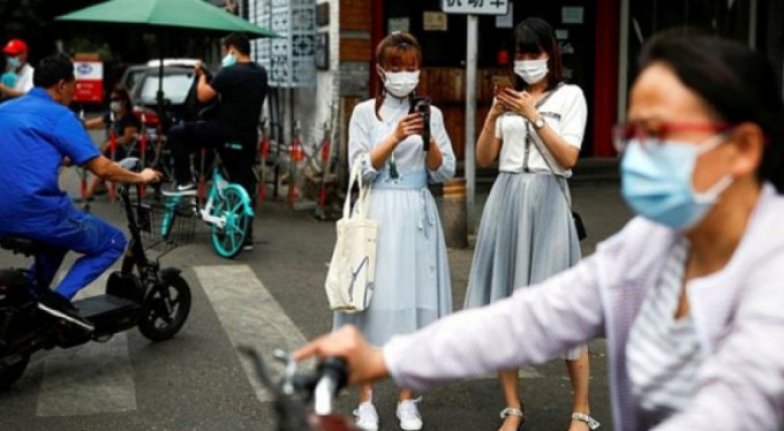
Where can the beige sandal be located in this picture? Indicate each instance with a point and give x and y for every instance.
(511, 411)
(593, 424)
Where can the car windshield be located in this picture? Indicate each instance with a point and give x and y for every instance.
(175, 88)
(133, 78)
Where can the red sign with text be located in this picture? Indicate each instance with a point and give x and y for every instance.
(89, 81)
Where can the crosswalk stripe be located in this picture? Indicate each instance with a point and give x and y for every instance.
(89, 379)
(249, 314)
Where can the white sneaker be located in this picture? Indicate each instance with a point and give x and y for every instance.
(367, 416)
(407, 412)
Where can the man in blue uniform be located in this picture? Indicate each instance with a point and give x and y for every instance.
(38, 133)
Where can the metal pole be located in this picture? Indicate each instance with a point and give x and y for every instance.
(470, 118)
(623, 61)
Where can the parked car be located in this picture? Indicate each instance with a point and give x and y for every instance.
(134, 73)
(131, 76)
(177, 62)
(177, 82)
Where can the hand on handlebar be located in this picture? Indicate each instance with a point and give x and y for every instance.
(365, 362)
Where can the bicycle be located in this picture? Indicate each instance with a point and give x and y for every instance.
(296, 390)
(228, 211)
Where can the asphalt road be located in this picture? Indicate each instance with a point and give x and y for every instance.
(272, 298)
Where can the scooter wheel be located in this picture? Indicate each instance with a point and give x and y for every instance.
(9, 374)
(165, 309)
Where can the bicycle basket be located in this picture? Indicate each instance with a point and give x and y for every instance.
(162, 231)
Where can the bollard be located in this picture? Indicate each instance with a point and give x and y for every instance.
(454, 213)
(296, 174)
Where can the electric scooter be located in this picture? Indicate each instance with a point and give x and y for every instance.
(140, 294)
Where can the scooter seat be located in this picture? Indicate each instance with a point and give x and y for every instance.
(25, 246)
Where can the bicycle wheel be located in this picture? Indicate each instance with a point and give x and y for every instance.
(228, 241)
(165, 309)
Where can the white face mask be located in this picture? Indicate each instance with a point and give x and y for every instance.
(531, 71)
(115, 106)
(401, 84)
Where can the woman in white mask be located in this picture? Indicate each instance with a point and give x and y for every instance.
(412, 284)
(527, 233)
(691, 292)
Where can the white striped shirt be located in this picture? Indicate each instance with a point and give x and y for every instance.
(663, 354)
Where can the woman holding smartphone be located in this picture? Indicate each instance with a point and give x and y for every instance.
(527, 234)
(412, 285)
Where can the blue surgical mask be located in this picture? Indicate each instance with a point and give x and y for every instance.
(229, 60)
(656, 182)
(14, 62)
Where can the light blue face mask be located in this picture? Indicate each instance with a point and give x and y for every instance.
(229, 60)
(656, 182)
(14, 62)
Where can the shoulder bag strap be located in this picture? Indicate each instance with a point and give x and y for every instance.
(363, 197)
(527, 143)
(530, 141)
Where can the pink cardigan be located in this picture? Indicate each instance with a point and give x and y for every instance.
(738, 313)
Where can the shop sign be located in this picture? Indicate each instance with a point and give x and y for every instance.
(89, 81)
(475, 7)
(434, 21)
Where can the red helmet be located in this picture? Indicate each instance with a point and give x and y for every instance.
(15, 47)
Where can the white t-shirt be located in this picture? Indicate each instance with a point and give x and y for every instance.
(24, 79)
(565, 111)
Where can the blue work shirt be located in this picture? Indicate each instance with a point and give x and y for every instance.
(35, 134)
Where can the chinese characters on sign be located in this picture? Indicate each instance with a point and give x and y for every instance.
(475, 7)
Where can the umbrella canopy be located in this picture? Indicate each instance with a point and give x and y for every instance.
(192, 14)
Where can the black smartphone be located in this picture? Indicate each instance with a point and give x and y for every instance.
(421, 105)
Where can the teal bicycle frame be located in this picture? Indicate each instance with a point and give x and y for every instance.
(227, 210)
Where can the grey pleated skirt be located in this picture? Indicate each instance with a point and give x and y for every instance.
(526, 235)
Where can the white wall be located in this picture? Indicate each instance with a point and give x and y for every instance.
(326, 91)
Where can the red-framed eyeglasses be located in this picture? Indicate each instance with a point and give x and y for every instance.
(651, 136)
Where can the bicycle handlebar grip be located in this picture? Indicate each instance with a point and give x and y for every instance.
(336, 369)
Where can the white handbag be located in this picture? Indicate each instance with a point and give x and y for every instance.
(352, 271)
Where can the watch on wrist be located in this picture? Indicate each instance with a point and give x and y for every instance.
(538, 123)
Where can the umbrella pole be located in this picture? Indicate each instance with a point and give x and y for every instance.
(159, 96)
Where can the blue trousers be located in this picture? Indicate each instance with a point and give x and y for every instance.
(100, 243)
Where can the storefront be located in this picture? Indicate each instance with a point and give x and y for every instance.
(588, 36)
(600, 42)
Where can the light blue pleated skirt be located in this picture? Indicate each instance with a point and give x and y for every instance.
(413, 285)
(526, 235)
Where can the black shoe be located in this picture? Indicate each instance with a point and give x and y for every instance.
(248, 245)
(183, 190)
(61, 308)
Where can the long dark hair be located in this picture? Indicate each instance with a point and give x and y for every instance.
(737, 82)
(534, 36)
(396, 44)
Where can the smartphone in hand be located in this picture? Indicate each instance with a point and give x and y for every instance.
(501, 82)
(421, 105)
